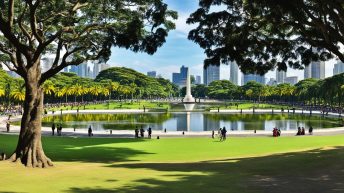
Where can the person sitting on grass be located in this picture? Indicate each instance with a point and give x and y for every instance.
(274, 132)
(303, 131)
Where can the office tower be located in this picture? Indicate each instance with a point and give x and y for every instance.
(253, 77)
(198, 80)
(96, 68)
(151, 74)
(234, 73)
(307, 72)
(291, 80)
(280, 76)
(272, 82)
(316, 69)
(82, 70)
(210, 74)
(179, 79)
(338, 68)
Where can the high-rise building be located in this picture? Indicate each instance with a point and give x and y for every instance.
(234, 73)
(96, 68)
(307, 72)
(80, 70)
(210, 74)
(198, 80)
(253, 77)
(280, 76)
(151, 74)
(291, 80)
(180, 78)
(272, 82)
(316, 69)
(338, 68)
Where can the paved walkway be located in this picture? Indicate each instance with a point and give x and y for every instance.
(129, 133)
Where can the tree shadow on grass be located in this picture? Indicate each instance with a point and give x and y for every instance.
(88, 150)
(316, 171)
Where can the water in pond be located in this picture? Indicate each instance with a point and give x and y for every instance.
(190, 121)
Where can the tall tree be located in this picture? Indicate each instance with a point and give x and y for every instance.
(73, 32)
(261, 35)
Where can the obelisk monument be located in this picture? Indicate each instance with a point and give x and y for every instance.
(188, 97)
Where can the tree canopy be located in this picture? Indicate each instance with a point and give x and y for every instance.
(261, 35)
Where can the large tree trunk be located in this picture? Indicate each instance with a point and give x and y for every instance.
(29, 149)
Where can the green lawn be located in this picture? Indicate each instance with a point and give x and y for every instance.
(164, 105)
(251, 105)
(183, 165)
(119, 105)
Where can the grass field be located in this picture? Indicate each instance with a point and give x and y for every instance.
(118, 105)
(182, 165)
(164, 106)
(251, 105)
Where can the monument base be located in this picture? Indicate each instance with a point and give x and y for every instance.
(188, 99)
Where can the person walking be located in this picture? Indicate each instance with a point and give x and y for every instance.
(142, 132)
(60, 130)
(149, 133)
(53, 129)
(90, 134)
(310, 130)
(224, 133)
(136, 133)
(213, 134)
(8, 125)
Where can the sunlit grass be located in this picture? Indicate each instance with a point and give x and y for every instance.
(169, 164)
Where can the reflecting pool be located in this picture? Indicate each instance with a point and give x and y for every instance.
(190, 121)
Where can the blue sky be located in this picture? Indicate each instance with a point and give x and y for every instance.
(178, 51)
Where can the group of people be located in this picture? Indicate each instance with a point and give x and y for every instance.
(140, 133)
(301, 131)
(222, 134)
(276, 132)
(58, 129)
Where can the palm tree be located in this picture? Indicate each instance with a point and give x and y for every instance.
(64, 92)
(48, 88)
(2, 92)
(18, 93)
(95, 90)
(78, 90)
(112, 87)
